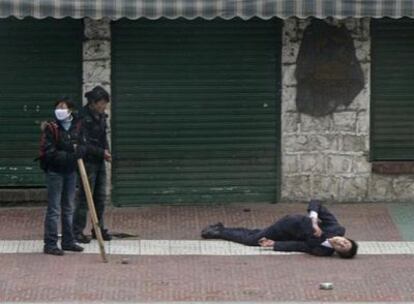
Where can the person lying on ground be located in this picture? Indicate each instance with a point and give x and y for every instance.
(317, 233)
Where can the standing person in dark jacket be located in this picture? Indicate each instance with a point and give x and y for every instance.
(60, 145)
(94, 127)
(317, 233)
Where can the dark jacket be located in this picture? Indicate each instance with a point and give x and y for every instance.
(298, 231)
(94, 131)
(58, 145)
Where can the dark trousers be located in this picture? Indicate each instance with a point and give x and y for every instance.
(97, 181)
(279, 231)
(60, 205)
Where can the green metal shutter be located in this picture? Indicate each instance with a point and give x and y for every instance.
(196, 114)
(40, 60)
(392, 102)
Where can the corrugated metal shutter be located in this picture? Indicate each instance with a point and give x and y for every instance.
(392, 105)
(40, 60)
(196, 114)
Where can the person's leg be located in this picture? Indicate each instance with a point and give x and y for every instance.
(280, 230)
(81, 207)
(54, 183)
(81, 210)
(99, 193)
(99, 197)
(69, 188)
(249, 237)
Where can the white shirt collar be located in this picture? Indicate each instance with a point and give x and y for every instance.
(326, 244)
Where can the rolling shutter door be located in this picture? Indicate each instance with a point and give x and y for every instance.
(196, 113)
(40, 60)
(392, 103)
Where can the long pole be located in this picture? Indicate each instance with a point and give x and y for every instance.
(91, 207)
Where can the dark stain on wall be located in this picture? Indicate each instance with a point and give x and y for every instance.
(327, 72)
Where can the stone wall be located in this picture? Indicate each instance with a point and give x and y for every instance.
(324, 157)
(328, 157)
(97, 67)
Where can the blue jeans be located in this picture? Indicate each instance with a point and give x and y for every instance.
(97, 181)
(60, 205)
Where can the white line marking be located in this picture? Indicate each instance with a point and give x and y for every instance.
(193, 247)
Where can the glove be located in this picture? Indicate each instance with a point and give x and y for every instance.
(80, 151)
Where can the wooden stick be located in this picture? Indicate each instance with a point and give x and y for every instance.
(92, 210)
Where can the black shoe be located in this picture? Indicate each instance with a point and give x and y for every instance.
(105, 234)
(73, 247)
(212, 231)
(53, 251)
(83, 239)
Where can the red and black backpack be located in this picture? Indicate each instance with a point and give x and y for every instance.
(54, 128)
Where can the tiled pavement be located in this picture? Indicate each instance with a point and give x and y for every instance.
(167, 262)
(365, 222)
(75, 277)
(196, 247)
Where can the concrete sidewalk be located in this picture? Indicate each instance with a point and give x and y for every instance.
(168, 261)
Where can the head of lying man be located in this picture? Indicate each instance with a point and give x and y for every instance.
(344, 247)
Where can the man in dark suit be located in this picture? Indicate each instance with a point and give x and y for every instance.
(317, 233)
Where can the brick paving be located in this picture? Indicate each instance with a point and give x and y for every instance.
(75, 277)
(35, 277)
(369, 222)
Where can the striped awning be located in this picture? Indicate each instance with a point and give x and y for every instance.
(207, 9)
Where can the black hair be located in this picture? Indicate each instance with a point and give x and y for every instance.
(66, 100)
(96, 94)
(351, 252)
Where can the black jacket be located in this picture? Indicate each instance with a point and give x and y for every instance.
(58, 145)
(300, 231)
(94, 131)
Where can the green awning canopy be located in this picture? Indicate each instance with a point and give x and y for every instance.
(206, 9)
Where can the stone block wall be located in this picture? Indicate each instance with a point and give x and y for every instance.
(328, 157)
(325, 157)
(97, 67)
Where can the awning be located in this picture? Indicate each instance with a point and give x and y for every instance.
(207, 9)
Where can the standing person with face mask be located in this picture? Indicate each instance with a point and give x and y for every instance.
(94, 127)
(61, 146)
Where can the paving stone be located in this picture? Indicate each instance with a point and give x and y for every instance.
(370, 222)
(184, 247)
(159, 247)
(27, 246)
(169, 262)
(215, 247)
(196, 247)
(124, 247)
(74, 277)
(9, 246)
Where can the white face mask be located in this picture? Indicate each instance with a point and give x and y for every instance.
(62, 114)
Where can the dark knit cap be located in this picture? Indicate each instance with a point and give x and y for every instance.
(96, 94)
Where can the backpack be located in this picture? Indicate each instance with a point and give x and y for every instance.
(42, 146)
(53, 126)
